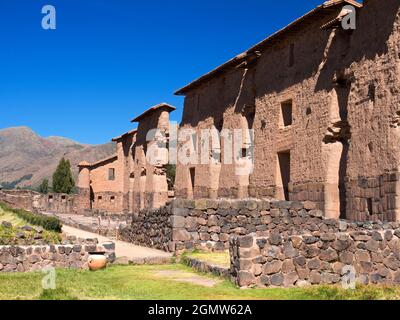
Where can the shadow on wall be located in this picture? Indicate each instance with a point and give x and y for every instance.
(234, 88)
(374, 27)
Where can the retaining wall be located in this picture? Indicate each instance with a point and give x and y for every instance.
(34, 258)
(316, 253)
(208, 224)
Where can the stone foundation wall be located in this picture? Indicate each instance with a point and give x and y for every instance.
(314, 192)
(316, 252)
(150, 228)
(34, 258)
(207, 225)
(374, 198)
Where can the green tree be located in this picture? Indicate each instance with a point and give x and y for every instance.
(63, 181)
(44, 187)
(171, 173)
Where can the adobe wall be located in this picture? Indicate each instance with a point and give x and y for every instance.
(344, 91)
(108, 195)
(19, 199)
(58, 203)
(37, 202)
(150, 188)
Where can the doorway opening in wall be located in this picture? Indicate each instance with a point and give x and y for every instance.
(342, 181)
(91, 198)
(192, 172)
(370, 206)
(284, 174)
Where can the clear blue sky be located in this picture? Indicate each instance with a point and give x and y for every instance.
(109, 60)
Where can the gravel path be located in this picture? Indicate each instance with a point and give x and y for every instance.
(125, 252)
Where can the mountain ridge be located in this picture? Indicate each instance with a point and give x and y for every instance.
(26, 158)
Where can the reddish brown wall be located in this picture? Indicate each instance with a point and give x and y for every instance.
(333, 74)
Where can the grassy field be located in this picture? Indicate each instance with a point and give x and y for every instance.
(8, 235)
(221, 259)
(10, 217)
(148, 283)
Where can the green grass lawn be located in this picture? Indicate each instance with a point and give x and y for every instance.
(11, 217)
(221, 259)
(7, 235)
(146, 283)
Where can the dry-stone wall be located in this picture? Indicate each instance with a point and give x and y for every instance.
(209, 224)
(285, 258)
(274, 243)
(151, 228)
(34, 258)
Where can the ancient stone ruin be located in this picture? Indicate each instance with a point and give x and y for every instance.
(313, 187)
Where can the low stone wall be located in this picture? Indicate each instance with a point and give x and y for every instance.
(207, 225)
(283, 259)
(203, 266)
(34, 258)
(61, 203)
(104, 225)
(37, 202)
(19, 199)
(151, 228)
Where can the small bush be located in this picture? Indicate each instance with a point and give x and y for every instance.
(47, 223)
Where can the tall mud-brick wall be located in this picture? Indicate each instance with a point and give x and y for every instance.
(323, 103)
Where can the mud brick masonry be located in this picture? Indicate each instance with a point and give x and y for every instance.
(126, 182)
(324, 106)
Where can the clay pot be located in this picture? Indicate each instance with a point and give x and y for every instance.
(97, 261)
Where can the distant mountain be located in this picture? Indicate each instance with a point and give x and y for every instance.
(26, 158)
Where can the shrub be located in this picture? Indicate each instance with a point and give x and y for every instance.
(47, 223)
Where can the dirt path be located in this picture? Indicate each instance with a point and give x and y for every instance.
(125, 252)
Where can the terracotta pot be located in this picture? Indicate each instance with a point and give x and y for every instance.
(97, 261)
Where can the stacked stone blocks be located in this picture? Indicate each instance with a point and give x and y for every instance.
(35, 258)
